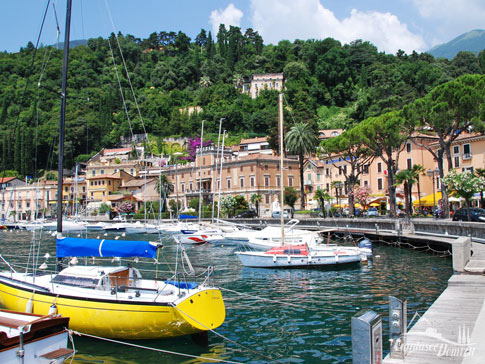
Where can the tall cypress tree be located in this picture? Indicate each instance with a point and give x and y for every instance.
(17, 150)
(222, 40)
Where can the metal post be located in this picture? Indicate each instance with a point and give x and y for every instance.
(21, 351)
(397, 326)
(366, 338)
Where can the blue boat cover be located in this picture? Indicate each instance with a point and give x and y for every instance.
(187, 217)
(79, 247)
(183, 285)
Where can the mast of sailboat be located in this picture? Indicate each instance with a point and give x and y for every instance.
(220, 180)
(200, 170)
(215, 170)
(60, 175)
(282, 201)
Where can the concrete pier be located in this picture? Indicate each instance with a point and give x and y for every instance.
(452, 330)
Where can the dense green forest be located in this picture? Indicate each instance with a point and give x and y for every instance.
(327, 84)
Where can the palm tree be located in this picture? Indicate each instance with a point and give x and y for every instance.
(418, 170)
(164, 187)
(301, 140)
(406, 177)
(480, 172)
(256, 198)
(322, 196)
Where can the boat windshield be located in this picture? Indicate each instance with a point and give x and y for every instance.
(76, 281)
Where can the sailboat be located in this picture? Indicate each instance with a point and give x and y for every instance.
(112, 301)
(296, 254)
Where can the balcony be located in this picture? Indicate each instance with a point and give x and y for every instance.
(467, 156)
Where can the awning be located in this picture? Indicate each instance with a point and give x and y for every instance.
(455, 199)
(378, 201)
(429, 200)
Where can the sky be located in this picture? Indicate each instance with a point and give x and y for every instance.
(409, 25)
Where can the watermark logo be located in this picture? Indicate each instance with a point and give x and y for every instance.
(434, 341)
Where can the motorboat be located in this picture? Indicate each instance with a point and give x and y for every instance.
(31, 338)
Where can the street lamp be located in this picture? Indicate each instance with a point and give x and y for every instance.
(433, 174)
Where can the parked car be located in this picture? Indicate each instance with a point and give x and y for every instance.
(372, 211)
(477, 215)
(277, 214)
(248, 214)
(346, 211)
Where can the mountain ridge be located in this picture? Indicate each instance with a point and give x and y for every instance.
(472, 41)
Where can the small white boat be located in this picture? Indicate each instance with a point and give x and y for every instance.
(67, 226)
(300, 256)
(96, 226)
(29, 338)
(33, 225)
(201, 236)
(296, 249)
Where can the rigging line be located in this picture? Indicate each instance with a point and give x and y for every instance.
(57, 22)
(230, 340)
(153, 349)
(121, 91)
(126, 71)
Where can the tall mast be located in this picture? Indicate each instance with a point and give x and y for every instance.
(200, 170)
(215, 171)
(60, 175)
(282, 195)
(220, 179)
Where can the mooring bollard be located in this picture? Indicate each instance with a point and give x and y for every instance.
(398, 320)
(366, 338)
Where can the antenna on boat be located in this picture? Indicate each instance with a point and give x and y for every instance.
(60, 175)
(282, 217)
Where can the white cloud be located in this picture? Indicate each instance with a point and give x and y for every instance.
(382, 29)
(304, 19)
(453, 16)
(228, 16)
(458, 10)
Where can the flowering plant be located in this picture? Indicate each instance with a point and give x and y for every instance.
(193, 144)
(361, 195)
(126, 207)
(464, 185)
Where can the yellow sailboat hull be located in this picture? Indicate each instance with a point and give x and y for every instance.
(204, 310)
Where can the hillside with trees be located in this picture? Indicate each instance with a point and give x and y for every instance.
(327, 85)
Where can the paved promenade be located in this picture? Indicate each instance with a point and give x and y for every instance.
(453, 329)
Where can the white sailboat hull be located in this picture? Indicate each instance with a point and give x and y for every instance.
(314, 258)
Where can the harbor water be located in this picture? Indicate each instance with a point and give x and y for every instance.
(288, 315)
